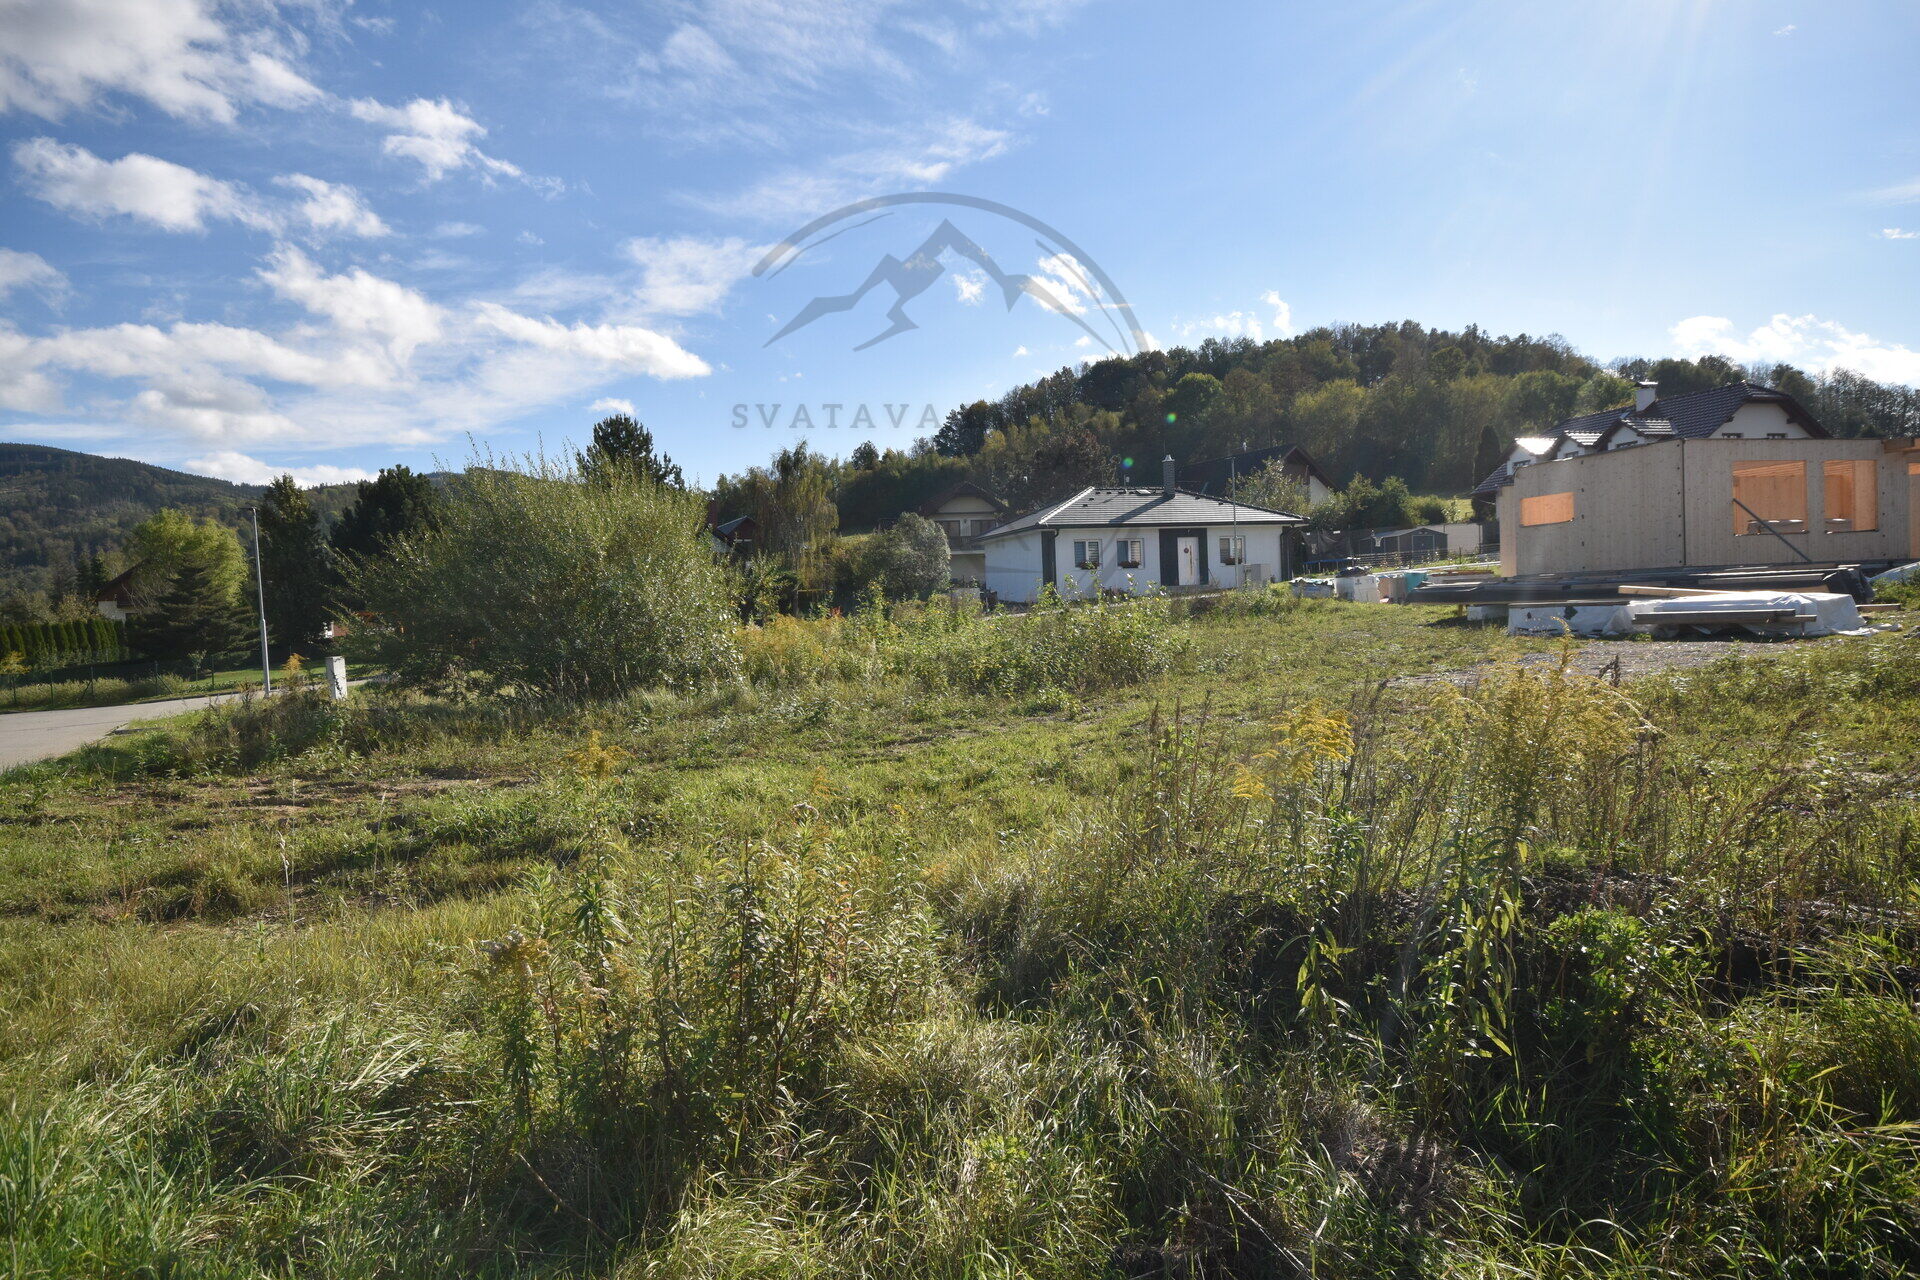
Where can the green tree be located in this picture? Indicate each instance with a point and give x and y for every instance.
(965, 431)
(528, 579)
(1272, 487)
(170, 542)
(910, 558)
(621, 445)
(197, 616)
(395, 504)
(297, 563)
(792, 503)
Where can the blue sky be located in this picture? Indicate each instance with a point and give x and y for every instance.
(325, 237)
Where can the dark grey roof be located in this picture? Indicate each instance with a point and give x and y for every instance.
(966, 488)
(1148, 508)
(1693, 416)
(1214, 475)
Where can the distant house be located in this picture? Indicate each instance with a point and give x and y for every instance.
(1452, 538)
(1216, 476)
(1738, 475)
(1135, 539)
(116, 601)
(737, 536)
(964, 512)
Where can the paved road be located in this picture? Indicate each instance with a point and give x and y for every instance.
(26, 736)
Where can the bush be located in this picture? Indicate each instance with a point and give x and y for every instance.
(530, 578)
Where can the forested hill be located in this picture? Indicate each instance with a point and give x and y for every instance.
(58, 508)
(1437, 408)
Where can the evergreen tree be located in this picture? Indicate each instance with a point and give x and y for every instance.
(197, 615)
(297, 564)
(396, 504)
(621, 444)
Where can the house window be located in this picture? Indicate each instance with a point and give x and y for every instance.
(1852, 495)
(1548, 508)
(1769, 496)
(1086, 555)
(1732, 435)
(1132, 551)
(1233, 550)
(1776, 435)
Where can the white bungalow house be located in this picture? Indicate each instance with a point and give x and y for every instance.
(1135, 540)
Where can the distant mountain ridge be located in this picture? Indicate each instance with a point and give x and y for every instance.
(59, 506)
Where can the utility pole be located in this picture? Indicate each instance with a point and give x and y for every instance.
(260, 586)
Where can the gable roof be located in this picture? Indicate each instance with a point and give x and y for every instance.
(1692, 416)
(118, 590)
(965, 489)
(1213, 476)
(1141, 508)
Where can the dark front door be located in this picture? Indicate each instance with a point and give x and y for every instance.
(1049, 566)
(1171, 557)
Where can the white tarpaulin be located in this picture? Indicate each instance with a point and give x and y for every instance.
(1900, 574)
(1781, 613)
(1569, 619)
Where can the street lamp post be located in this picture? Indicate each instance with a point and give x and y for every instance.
(260, 586)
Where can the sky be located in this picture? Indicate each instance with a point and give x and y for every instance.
(325, 237)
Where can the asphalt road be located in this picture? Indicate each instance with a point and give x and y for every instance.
(26, 736)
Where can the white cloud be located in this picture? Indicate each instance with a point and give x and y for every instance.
(1899, 193)
(455, 230)
(1241, 324)
(1067, 281)
(158, 191)
(1895, 233)
(921, 159)
(189, 58)
(1787, 30)
(1021, 351)
(434, 134)
(20, 270)
(1282, 313)
(212, 409)
(970, 286)
(629, 347)
(332, 207)
(227, 464)
(687, 275)
(176, 198)
(356, 302)
(1807, 341)
(611, 404)
(529, 238)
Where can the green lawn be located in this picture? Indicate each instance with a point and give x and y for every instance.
(824, 978)
(129, 683)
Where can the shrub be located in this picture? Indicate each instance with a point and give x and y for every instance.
(1055, 646)
(531, 578)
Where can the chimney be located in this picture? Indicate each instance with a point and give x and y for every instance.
(1644, 394)
(1168, 474)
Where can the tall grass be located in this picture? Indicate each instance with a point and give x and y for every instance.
(1533, 977)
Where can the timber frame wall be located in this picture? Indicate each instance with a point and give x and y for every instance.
(1670, 504)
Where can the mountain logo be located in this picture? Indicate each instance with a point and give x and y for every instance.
(1073, 286)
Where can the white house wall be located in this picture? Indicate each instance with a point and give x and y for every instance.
(1013, 562)
(1758, 421)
